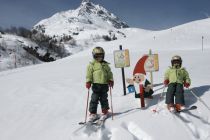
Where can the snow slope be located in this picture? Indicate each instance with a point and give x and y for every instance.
(46, 101)
(13, 54)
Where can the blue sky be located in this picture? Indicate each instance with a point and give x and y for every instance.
(146, 14)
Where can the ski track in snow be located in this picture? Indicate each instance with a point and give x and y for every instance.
(128, 130)
(91, 133)
(137, 132)
(185, 119)
(193, 129)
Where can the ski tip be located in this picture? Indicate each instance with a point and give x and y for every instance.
(154, 111)
(82, 123)
(194, 107)
(187, 109)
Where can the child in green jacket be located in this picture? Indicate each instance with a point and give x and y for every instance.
(99, 75)
(176, 78)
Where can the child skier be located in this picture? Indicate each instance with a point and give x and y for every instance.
(99, 75)
(175, 78)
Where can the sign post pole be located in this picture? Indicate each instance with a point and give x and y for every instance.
(123, 76)
(151, 74)
(122, 59)
(202, 43)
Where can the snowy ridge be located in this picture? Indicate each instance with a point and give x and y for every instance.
(184, 37)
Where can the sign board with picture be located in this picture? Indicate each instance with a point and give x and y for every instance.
(121, 58)
(151, 64)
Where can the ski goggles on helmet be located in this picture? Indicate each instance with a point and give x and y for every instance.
(176, 62)
(99, 55)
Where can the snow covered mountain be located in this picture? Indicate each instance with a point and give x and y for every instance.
(78, 29)
(66, 33)
(87, 16)
(46, 102)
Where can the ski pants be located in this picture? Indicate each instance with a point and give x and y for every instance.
(99, 95)
(175, 90)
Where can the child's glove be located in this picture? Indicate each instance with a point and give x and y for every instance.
(88, 85)
(111, 83)
(166, 82)
(187, 85)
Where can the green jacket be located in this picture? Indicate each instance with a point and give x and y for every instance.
(177, 75)
(99, 73)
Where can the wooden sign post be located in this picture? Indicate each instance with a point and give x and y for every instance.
(122, 59)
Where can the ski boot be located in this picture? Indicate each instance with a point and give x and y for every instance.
(179, 107)
(92, 117)
(104, 114)
(170, 107)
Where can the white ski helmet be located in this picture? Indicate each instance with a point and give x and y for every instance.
(176, 59)
(98, 51)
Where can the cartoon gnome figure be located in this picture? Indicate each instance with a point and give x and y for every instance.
(139, 81)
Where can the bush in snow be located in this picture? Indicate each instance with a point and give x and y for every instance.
(20, 31)
(1, 30)
(106, 38)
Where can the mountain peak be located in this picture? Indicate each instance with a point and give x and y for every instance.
(88, 16)
(94, 10)
(85, 1)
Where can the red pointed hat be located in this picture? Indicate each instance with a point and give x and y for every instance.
(139, 68)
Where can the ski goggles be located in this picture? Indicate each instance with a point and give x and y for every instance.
(176, 62)
(99, 55)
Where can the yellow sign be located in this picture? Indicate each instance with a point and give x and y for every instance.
(151, 64)
(121, 58)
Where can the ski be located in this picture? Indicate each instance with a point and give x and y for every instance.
(89, 122)
(94, 122)
(89, 126)
(82, 123)
(187, 109)
(92, 126)
(100, 122)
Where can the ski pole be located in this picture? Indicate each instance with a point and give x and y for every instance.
(199, 99)
(161, 95)
(87, 106)
(110, 89)
(159, 88)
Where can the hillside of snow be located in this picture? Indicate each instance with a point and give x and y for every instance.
(46, 101)
(13, 52)
(183, 37)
